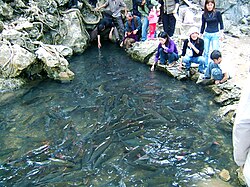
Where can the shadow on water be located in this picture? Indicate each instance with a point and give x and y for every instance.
(115, 124)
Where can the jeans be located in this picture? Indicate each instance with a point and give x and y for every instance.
(214, 71)
(210, 39)
(144, 29)
(171, 57)
(198, 60)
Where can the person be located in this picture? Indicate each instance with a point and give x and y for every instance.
(107, 24)
(166, 50)
(153, 18)
(241, 133)
(216, 69)
(170, 8)
(115, 8)
(211, 21)
(192, 51)
(132, 29)
(143, 8)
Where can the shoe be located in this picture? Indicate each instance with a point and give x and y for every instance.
(172, 64)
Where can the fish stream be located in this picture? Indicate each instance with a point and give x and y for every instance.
(115, 124)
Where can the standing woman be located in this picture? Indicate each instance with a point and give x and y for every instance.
(166, 51)
(213, 26)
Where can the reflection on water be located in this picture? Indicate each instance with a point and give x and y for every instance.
(116, 124)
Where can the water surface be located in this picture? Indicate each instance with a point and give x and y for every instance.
(115, 124)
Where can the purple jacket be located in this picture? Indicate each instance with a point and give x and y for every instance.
(170, 49)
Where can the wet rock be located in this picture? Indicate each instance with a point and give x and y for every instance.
(76, 37)
(224, 175)
(56, 65)
(142, 51)
(214, 182)
(228, 97)
(209, 171)
(10, 84)
(14, 59)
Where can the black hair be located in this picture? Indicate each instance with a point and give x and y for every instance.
(165, 36)
(101, 27)
(138, 2)
(216, 54)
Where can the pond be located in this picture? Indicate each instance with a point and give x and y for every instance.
(115, 124)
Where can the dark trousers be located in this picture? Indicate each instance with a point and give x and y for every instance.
(169, 23)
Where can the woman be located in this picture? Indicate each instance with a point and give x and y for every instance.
(166, 50)
(192, 51)
(211, 21)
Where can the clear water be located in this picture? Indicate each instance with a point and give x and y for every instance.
(115, 124)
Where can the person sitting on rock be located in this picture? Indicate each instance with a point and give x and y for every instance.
(106, 24)
(166, 50)
(216, 69)
(132, 30)
(192, 50)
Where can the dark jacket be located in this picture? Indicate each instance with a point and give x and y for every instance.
(134, 24)
(211, 22)
(199, 44)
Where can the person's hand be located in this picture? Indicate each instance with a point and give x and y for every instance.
(190, 45)
(217, 82)
(99, 45)
(110, 36)
(135, 31)
(152, 67)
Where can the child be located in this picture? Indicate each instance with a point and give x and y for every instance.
(153, 17)
(216, 69)
(166, 50)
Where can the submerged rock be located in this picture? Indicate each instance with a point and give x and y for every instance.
(224, 175)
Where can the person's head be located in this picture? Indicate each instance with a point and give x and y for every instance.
(209, 6)
(101, 27)
(129, 16)
(216, 56)
(193, 33)
(163, 37)
(140, 2)
(150, 7)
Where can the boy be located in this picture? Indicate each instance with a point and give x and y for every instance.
(216, 69)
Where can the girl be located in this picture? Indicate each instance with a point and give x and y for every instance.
(211, 20)
(192, 51)
(153, 19)
(167, 50)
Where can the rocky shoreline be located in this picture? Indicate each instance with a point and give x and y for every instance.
(37, 37)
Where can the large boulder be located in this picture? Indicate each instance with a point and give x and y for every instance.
(55, 64)
(75, 35)
(14, 59)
